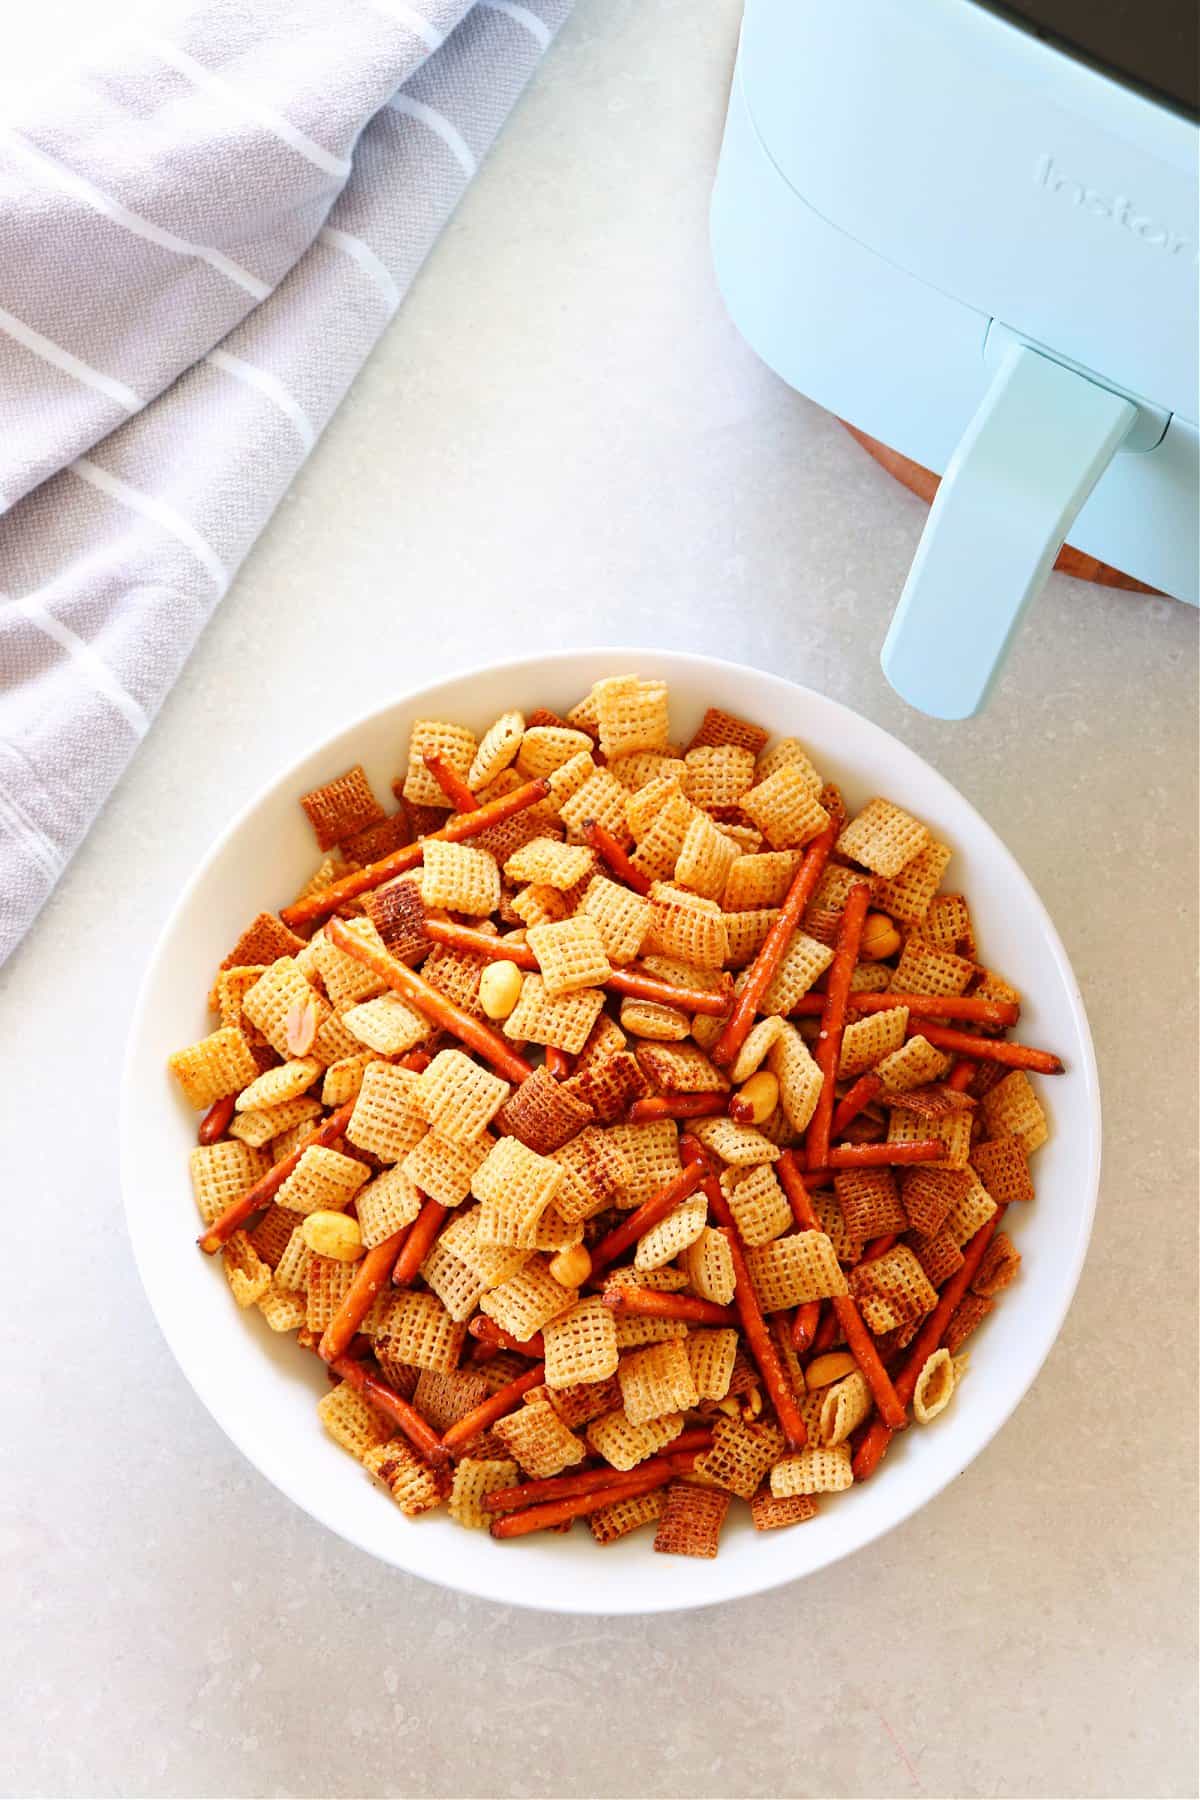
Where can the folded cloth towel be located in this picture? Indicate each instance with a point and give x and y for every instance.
(199, 245)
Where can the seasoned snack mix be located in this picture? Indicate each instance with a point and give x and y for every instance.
(628, 1124)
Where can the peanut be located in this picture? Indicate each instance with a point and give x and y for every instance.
(499, 989)
(301, 1025)
(571, 1268)
(333, 1234)
(823, 1370)
(762, 1093)
(879, 937)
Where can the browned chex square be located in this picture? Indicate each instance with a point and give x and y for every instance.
(620, 1517)
(999, 1267)
(342, 807)
(692, 1519)
(927, 1195)
(939, 1255)
(584, 1401)
(375, 842)
(740, 1456)
(442, 1398)
(892, 1290)
(1003, 1167)
(769, 1511)
(593, 1171)
(609, 1087)
(264, 940)
(970, 1313)
(681, 1069)
(456, 975)
(718, 727)
(544, 1113)
(870, 1202)
(417, 1329)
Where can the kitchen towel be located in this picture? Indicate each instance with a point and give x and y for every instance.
(200, 242)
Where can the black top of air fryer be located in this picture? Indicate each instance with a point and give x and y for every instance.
(1149, 44)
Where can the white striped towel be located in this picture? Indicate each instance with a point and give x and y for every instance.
(199, 244)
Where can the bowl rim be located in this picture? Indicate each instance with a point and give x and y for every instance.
(775, 1574)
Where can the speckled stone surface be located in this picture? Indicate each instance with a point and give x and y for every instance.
(563, 440)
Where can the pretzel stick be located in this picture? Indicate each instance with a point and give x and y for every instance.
(636, 986)
(759, 1341)
(215, 1122)
(677, 1106)
(432, 1002)
(416, 1060)
(833, 1018)
(369, 1277)
(630, 982)
(854, 1101)
(557, 1062)
(920, 1006)
(589, 1481)
(844, 1307)
(451, 783)
(494, 1337)
(609, 850)
(399, 862)
(493, 1408)
(492, 946)
(805, 1321)
(649, 1213)
(558, 1512)
(879, 1247)
(771, 952)
(997, 1050)
(265, 1189)
(880, 1156)
(878, 1435)
(418, 1242)
(417, 1430)
(961, 1076)
(825, 1333)
(795, 1189)
(861, 1346)
(648, 1303)
(754, 1327)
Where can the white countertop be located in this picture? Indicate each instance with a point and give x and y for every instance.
(563, 440)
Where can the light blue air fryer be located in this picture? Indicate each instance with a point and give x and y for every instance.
(971, 232)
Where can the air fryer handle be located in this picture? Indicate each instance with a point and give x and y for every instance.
(1039, 442)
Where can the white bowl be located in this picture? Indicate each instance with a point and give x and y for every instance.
(261, 1389)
